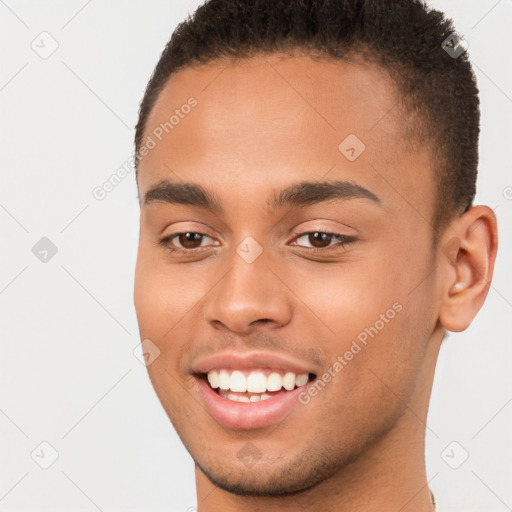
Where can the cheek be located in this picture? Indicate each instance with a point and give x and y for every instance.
(393, 339)
(348, 299)
(376, 324)
(163, 295)
(172, 396)
(147, 301)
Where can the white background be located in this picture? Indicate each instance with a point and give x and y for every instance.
(68, 374)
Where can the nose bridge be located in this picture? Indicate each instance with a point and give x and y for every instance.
(249, 291)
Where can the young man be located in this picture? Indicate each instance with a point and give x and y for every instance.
(306, 174)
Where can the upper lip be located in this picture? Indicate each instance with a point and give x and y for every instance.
(251, 360)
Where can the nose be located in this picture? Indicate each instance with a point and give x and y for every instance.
(248, 296)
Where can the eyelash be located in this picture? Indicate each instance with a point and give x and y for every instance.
(344, 241)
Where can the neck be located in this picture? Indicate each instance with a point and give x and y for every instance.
(389, 476)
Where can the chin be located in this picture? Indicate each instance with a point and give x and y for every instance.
(277, 478)
(251, 484)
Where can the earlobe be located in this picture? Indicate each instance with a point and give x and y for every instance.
(466, 257)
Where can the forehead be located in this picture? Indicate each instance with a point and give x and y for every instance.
(275, 119)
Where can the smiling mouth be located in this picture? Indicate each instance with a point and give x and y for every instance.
(254, 385)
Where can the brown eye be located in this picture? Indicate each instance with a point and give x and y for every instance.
(319, 240)
(184, 242)
(189, 240)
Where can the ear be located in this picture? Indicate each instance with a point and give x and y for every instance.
(467, 253)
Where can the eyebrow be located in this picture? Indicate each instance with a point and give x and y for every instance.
(302, 194)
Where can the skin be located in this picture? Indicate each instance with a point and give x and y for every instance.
(262, 124)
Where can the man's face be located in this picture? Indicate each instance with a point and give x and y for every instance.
(248, 292)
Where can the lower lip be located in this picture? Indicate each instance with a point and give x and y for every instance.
(248, 415)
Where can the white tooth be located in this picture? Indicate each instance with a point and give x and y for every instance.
(255, 398)
(256, 382)
(238, 382)
(223, 379)
(264, 396)
(301, 379)
(274, 382)
(289, 381)
(213, 379)
(237, 398)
